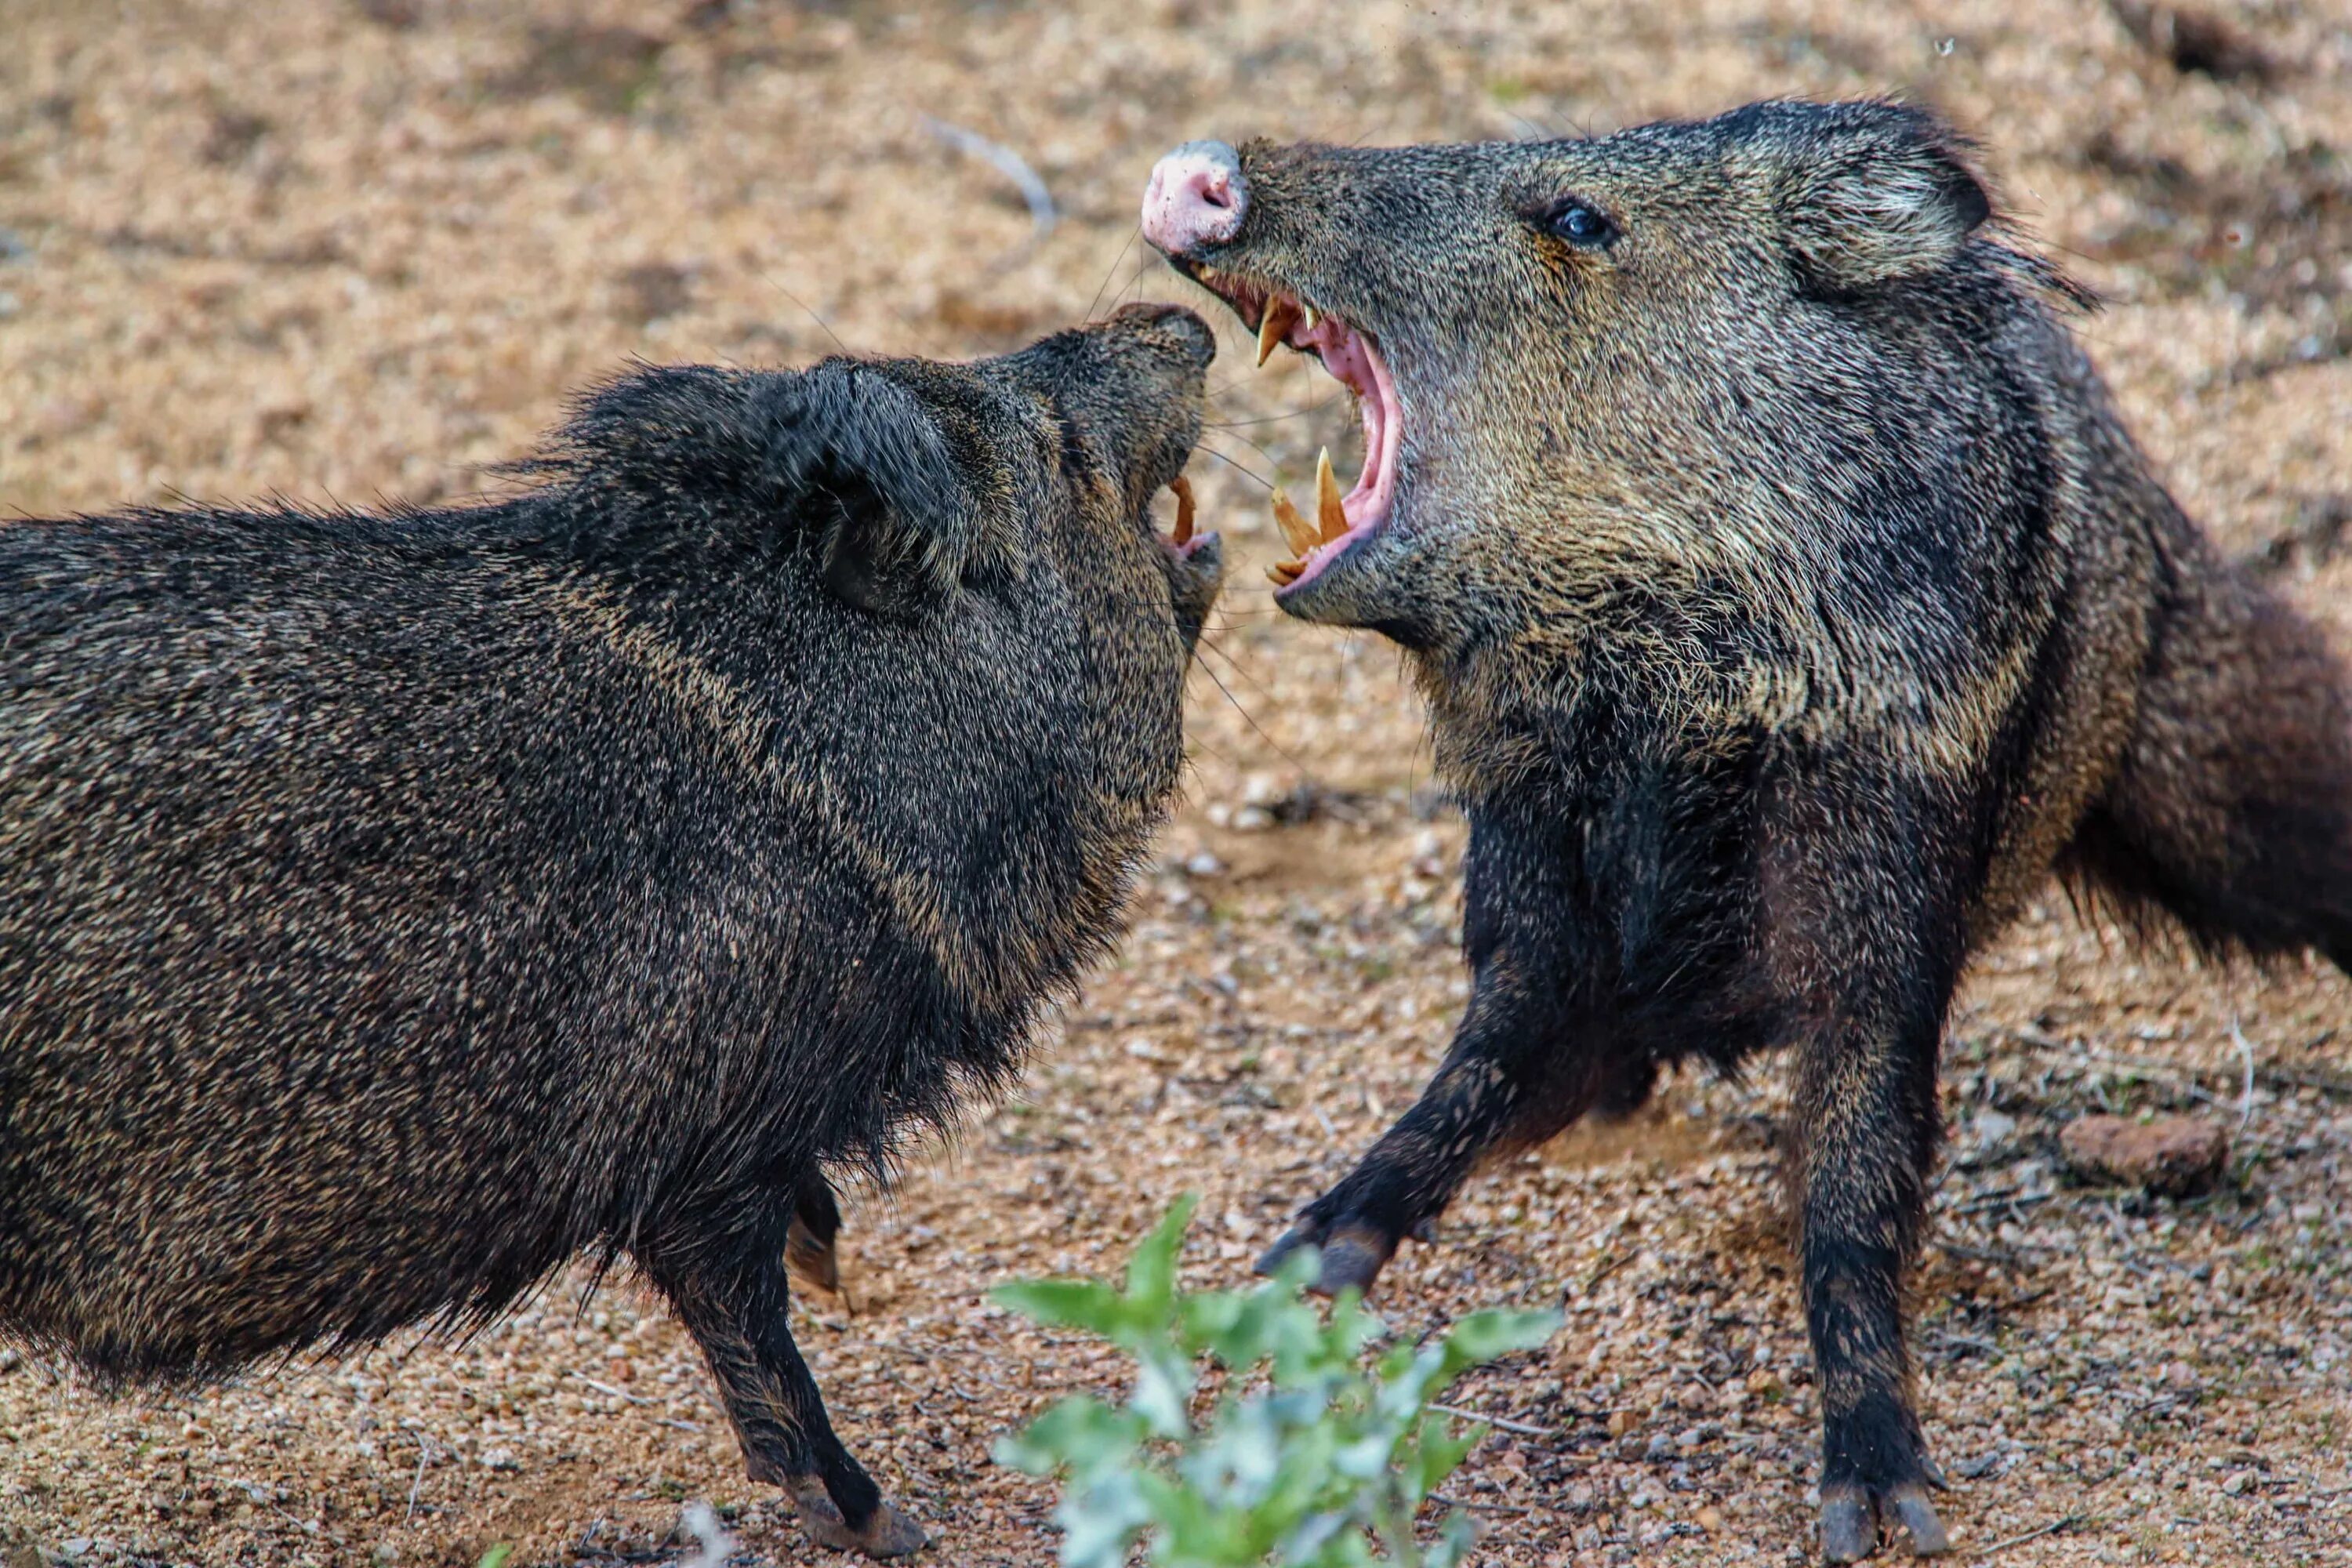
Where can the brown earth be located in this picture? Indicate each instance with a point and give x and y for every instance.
(359, 251)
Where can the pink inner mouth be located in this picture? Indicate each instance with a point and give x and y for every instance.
(1350, 355)
(1352, 358)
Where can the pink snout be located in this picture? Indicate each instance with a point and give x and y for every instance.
(1197, 197)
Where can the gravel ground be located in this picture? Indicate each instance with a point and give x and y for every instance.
(359, 251)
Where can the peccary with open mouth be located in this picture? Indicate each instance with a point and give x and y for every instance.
(395, 906)
(1788, 599)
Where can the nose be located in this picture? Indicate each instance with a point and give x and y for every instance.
(1198, 197)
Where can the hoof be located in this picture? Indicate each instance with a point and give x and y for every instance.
(1851, 1516)
(1353, 1255)
(1849, 1525)
(888, 1533)
(811, 1259)
(1303, 1234)
(1916, 1515)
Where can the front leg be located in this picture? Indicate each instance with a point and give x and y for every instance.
(1863, 938)
(736, 1308)
(1480, 1096)
(1537, 1046)
(1510, 1079)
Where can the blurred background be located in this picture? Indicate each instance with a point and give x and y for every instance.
(358, 251)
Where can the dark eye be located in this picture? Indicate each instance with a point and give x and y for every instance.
(1579, 224)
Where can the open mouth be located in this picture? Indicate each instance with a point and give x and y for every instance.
(1340, 521)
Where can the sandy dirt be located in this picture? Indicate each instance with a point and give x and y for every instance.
(356, 252)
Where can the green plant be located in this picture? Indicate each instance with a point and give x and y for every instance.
(1321, 1463)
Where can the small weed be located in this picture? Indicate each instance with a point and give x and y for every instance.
(1323, 1466)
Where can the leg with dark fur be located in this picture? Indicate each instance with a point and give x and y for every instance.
(1865, 1108)
(737, 1311)
(1511, 1080)
(1531, 1055)
(1863, 950)
(2231, 809)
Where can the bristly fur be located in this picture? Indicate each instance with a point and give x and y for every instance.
(1788, 599)
(394, 907)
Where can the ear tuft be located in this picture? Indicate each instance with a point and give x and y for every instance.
(1869, 193)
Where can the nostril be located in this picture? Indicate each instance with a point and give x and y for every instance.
(1197, 196)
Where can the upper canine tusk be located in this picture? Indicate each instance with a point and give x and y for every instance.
(1281, 314)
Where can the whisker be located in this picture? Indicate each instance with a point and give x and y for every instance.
(1247, 719)
(1275, 418)
(1112, 270)
(1238, 466)
(1272, 461)
(769, 279)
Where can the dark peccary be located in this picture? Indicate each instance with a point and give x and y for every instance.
(1789, 600)
(393, 907)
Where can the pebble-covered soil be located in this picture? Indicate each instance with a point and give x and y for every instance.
(358, 251)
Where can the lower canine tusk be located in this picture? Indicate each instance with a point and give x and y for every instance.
(1295, 529)
(1181, 487)
(1329, 514)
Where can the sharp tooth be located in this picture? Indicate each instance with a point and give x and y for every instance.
(1330, 514)
(1283, 574)
(1295, 529)
(1275, 325)
(1309, 317)
(1182, 490)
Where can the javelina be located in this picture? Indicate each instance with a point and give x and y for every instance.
(393, 907)
(1789, 600)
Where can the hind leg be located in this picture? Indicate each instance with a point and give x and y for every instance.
(736, 1311)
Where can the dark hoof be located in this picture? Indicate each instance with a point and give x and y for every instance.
(1916, 1515)
(1851, 1516)
(811, 1258)
(1849, 1525)
(1353, 1255)
(1303, 1234)
(887, 1533)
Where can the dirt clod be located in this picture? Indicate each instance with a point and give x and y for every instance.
(2174, 1156)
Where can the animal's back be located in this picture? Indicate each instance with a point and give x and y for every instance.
(331, 851)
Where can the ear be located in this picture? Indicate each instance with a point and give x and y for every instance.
(895, 517)
(1869, 193)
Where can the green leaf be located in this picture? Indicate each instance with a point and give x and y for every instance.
(1063, 1303)
(1483, 1336)
(1437, 1452)
(1316, 1455)
(496, 1557)
(1081, 1434)
(1151, 1273)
